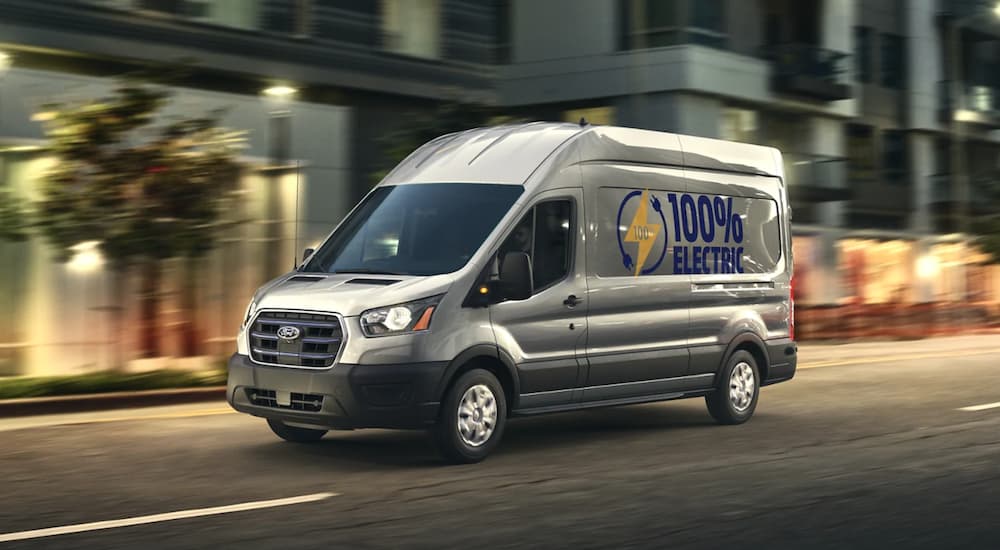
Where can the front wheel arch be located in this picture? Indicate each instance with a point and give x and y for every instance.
(487, 357)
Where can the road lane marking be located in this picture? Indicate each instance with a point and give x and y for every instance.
(889, 358)
(157, 518)
(974, 408)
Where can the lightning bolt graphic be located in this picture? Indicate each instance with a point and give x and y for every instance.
(642, 232)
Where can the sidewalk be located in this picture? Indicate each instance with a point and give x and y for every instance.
(810, 356)
(30, 406)
(815, 354)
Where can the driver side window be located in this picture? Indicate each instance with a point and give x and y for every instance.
(544, 233)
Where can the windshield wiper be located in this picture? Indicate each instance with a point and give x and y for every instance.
(368, 271)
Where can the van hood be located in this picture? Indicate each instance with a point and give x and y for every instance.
(347, 294)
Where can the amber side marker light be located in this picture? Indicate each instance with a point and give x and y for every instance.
(425, 319)
(484, 290)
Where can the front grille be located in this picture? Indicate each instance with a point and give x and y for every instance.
(309, 402)
(316, 346)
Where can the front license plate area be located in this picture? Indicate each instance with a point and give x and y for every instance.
(283, 398)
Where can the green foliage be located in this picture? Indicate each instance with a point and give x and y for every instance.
(14, 220)
(145, 188)
(424, 126)
(107, 381)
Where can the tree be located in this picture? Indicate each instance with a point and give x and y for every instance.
(14, 220)
(145, 188)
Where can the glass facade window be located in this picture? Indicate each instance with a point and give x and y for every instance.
(863, 54)
(894, 158)
(342, 21)
(893, 61)
(707, 22)
(412, 27)
(658, 23)
(501, 23)
(241, 14)
(862, 162)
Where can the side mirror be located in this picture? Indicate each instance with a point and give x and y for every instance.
(306, 253)
(515, 276)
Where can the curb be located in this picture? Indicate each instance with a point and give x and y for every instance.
(62, 404)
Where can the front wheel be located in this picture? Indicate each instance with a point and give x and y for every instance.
(735, 397)
(473, 416)
(293, 433)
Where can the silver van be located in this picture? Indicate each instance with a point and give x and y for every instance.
(528, 269)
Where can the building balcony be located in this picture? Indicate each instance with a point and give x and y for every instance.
(977, 104)
(809, 71)
(881, 197)
(816, 178)
(324, 46)
(944, 195)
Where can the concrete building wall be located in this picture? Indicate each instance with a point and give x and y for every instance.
(826, 138)
(671, 112)
(556, 29)
(923, 64)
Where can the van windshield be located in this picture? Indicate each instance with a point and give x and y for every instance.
(419, 229)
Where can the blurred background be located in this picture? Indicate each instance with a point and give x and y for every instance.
(159, 159)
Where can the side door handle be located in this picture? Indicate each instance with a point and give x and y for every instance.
(571, 301)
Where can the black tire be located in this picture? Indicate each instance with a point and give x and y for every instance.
(447, 435)
(720, 404)
(293, 433)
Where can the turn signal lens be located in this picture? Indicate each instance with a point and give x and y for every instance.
(425, 320)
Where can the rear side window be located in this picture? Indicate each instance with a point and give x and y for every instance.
(655, 232)
(544, 233)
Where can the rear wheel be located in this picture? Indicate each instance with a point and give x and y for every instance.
(473, 417)
(293, 433)
(735, 397)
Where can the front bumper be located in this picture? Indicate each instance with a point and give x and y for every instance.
(348, 396)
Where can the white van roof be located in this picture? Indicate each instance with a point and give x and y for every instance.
(512, 153)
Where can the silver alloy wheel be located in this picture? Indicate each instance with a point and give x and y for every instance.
(741, 386)
(477, 415)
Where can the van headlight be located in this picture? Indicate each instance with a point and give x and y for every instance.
(251, 309)
(399, 319)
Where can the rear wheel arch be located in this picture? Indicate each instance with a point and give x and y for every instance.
(752, 343)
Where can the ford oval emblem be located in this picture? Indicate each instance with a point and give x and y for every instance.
(288, 332)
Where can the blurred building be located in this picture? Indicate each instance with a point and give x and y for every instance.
(888, 112)
(355, 67)
(857, 94)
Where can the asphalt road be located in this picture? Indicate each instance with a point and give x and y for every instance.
(867, 454)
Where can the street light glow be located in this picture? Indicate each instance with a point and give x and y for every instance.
(928, 266)
(280, 92)
(43, 116)
(87, 257)
(21, 148)
(965, 115)
(996, 10)
(5, 61)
